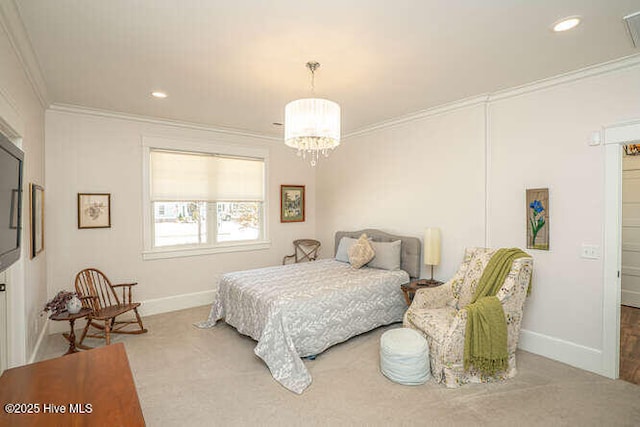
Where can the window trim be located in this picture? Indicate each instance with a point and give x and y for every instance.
(149, 252)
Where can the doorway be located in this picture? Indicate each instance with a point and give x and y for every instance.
(12, 299)
(630, 271)
(615, 137)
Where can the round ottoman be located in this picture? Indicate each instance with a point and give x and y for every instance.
(404, 356)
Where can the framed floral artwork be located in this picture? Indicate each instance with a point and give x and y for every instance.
(538, 218)
(94, 210)
(292, 203)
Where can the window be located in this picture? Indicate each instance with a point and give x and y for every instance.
(203, 201)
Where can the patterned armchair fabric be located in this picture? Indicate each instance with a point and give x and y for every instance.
(437, 313)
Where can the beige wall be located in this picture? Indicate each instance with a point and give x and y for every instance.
(26, 113)
(541, 140)
(430, 172)
(407, 178)
(97, 154)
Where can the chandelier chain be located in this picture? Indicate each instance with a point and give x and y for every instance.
(313, 66)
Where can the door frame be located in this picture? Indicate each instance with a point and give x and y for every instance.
(12, 126)
(614, 137)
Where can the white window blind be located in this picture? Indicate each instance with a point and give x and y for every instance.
(205, 177)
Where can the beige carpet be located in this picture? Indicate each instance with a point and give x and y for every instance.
(192, 377)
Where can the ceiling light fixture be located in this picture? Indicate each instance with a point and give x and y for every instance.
(566, 24)
(312, 125)
(158, 94)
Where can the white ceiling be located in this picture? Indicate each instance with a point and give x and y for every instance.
(237, 63)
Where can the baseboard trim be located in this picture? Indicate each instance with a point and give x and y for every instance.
(155, 306)
(176, 302)
(43, 333)
(587, 358)
(630, 298)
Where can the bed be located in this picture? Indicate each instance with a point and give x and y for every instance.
(299, 310)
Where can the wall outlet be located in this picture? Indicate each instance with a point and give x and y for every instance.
(590, 251)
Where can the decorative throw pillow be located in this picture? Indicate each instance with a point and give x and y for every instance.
(387, 255)
(361, 252)
(342, 254)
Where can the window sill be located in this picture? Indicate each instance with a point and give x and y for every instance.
(196, 251)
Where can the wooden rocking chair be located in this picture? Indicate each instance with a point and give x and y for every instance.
(98, 294)
(305, 249)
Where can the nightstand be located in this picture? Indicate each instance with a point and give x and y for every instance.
(409, 289)
(71, 318)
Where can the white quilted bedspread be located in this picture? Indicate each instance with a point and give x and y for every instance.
(300, 310)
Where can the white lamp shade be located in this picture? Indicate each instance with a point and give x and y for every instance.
(312, 124)
(432, 246)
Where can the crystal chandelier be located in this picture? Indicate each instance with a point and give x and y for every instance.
(312, 125)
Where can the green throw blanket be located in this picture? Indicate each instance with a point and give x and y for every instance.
(485, 343)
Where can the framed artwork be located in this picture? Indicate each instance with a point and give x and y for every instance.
(538, 219)
(13, 215)
(292, 203)
(36, 214)
(94, 210)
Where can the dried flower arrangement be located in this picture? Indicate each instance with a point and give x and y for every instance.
(59, 303)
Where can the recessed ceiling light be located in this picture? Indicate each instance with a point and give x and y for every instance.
(566, 24)
(159, 94)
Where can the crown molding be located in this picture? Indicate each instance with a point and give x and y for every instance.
(96, 112)
(569, 77)
(422, 114)
(12, 24)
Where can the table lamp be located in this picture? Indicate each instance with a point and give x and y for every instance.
(432, 251)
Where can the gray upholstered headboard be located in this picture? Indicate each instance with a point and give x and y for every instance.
(409, 253)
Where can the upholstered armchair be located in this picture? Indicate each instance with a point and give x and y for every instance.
(438, 314)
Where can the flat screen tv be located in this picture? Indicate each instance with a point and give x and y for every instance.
(11, 164)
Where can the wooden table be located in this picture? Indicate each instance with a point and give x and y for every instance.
(71, 318)
(93, 388)
(409, 289)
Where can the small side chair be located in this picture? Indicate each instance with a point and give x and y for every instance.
(98, 294)
(305, 250)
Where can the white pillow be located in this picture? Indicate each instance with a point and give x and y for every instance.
(387, 255)
(342, 254)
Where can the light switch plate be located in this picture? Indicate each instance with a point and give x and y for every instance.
(590, 251)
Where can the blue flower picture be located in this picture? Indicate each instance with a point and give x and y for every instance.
(538, 218)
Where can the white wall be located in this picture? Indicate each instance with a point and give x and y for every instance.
(541, 140)
(87, 153)
(21, 109)
(430, 172)
(406, 178)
